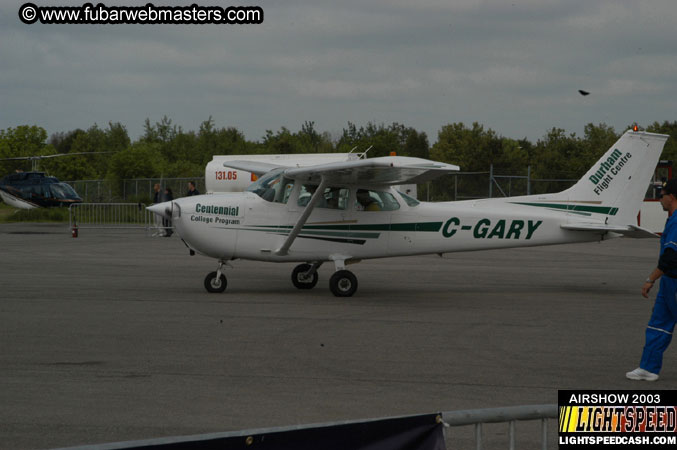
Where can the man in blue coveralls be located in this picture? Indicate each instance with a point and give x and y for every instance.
(664, 315)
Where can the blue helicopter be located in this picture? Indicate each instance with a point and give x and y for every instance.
(28, 190)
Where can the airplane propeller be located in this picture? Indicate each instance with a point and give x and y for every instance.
(163, 209)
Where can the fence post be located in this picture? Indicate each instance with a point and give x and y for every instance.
(511, 433)
(529, 180)
(455, 187)
(544, 427)
(491, 179)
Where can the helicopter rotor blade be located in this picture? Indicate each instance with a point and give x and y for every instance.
(32, 158)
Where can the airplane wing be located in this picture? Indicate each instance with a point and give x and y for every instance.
(388, 170)
(631, 231)
(255, 167)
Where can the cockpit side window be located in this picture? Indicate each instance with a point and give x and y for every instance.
(283, 190)
(368, 200)
(333, 197)
(38, 190)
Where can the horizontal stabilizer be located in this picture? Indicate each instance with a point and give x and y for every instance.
(631, 231)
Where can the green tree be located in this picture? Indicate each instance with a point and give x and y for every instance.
(63, 141)
(22, 141)
(416, 145)
(597, 139)
(150, 133)
(232, 142)
(140, 160)
(670, 149)
(382, 140)
(117, 138)
(476, 150)
(280, 143)
(97, 146)
(556, 156)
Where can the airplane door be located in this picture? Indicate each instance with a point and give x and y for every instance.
(265, 227)
(327, 227)
(370, 216)
(267, 219)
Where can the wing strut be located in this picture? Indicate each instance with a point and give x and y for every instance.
(319, 192)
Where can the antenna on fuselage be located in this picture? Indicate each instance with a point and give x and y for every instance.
(362, 155)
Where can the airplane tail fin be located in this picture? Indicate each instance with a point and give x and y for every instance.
(616, 184)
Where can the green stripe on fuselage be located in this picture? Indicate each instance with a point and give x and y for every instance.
(343, 234)
(606, 210)
(286, 230)
(413, 226)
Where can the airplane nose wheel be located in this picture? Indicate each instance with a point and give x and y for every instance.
(301, 279)
(215, 283)
(343, 283)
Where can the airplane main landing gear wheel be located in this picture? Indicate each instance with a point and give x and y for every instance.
(343, 283)
(214, 284)
(300, 280)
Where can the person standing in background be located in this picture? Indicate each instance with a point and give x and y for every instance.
(157, 198)
(192, 190)
(168, 196)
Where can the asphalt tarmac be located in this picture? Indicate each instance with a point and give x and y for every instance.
(112, 337)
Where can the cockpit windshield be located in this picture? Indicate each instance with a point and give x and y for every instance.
(268, 185)
(411, 201)
(63, 191)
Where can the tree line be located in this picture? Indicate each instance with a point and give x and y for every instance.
(166, 150)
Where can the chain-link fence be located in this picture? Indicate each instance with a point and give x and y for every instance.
(458, 186)
(474, 185)
(135, 190)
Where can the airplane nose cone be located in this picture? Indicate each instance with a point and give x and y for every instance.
(162, 209)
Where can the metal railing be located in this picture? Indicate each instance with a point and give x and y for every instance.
(475, 417)
(510, 415)
(110, 216)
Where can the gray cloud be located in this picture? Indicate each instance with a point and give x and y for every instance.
(513, 66)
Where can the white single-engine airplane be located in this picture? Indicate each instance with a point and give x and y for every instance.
(345, 212)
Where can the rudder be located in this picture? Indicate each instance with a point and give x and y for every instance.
(617, 183)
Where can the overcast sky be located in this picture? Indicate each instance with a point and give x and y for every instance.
(513, 65)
